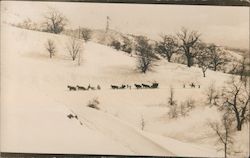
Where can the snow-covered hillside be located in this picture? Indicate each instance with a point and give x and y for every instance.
(35, 102)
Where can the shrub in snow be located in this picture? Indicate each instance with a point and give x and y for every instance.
(51, 48)
(94, 103)
(86, 34)
(190, 103)
(183, 109)
(127, 45)
(171, 100)
(173, 111)
(116, 44)
(29, 25)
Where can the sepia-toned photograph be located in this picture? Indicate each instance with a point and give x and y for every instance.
(124, 79)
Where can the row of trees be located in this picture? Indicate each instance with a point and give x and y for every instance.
(189, 45)
(185, 42)
(53, 22)
(74, 47)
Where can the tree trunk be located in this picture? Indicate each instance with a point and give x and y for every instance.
(225, 150)
(215, 68)
(189, 61)
(204, 73)
(239, 125)
(169, 59)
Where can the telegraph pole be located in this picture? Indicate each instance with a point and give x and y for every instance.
(107, 25)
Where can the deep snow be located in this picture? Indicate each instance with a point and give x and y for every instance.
(35, 102)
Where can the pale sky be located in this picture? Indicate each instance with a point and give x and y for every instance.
(227, 26)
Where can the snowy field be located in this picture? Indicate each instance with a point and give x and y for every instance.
(35, 102)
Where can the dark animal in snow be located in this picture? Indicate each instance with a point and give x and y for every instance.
(145, 86)
(114, 87)
(128, 86)
(155, 85)
(98, 87)
(137, 86)
(81, 88)
(71, 88)
(122, 87)
(76, 117)
(70, 116)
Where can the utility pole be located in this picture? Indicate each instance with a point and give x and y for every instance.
(79, 53)
(107, 25)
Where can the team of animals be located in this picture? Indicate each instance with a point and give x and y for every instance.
(137, 86)
(123, 86)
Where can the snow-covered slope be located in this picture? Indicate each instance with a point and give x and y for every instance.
(35, 101)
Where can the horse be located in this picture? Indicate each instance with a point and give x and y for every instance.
(145, 86)
(71, 88)
(138, 86)
(81, 88)
(114, 87)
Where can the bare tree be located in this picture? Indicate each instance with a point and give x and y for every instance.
(167, 46)
(51, 48)
(212, 95)
(74, 47)
(55, 21)
(190, 103)
(218, 57)
(203, 56)
(171, 100)
(188, 41)
(145, 54)
(86, 34)
(224, 133)
(127, 45)
(173, 111)
(236, 98)
(243, 68)
(184, 109)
